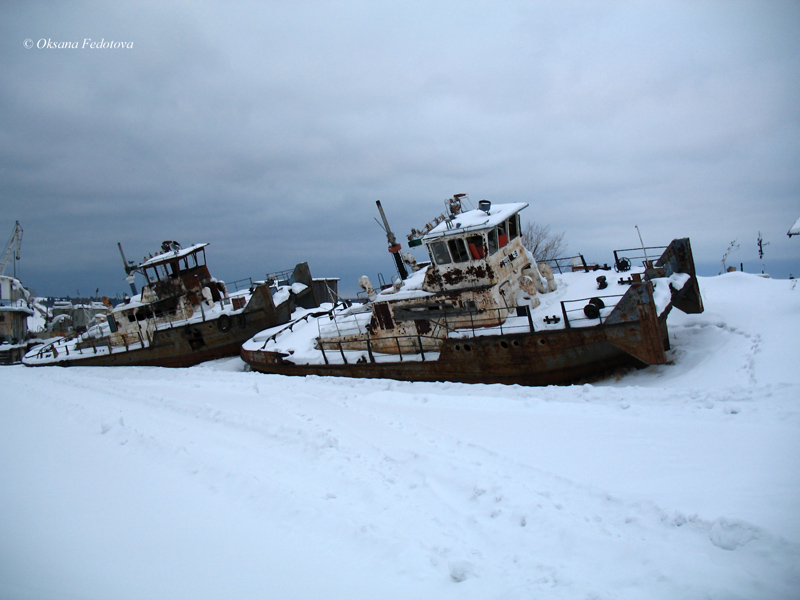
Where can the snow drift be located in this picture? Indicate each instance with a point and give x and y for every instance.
(676, 481)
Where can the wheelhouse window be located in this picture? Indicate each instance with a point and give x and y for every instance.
(476, 247)
(513, 227)
(189, 262)
(458, 250)
(502, 234)
(439, 253)
(492, 236)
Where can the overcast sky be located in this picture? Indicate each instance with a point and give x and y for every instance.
(270, 129)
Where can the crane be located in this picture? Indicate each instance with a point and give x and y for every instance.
(9, 254)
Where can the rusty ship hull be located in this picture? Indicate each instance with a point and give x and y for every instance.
(186, 345)
(633, 335)
(543, 358)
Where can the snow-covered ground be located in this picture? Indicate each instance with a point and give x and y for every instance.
(677, 481)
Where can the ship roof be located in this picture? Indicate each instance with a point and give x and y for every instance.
(475, 220)
(795, 230)
(171, 255)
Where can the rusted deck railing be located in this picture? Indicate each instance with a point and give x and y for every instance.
(623, 260)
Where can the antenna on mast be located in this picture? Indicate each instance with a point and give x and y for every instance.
(641, 242)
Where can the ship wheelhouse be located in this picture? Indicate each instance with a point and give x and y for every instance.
(177, 271)
(178, 281)
(465, 251)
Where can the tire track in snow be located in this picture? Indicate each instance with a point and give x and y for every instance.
(374, 466)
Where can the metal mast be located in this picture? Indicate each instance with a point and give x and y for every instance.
(394, 247)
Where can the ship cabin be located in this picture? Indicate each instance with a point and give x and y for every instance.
(177, 271)
(181, 271)
(177, 280)
(477, 249)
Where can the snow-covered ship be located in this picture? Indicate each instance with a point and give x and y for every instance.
(183, 316)
(482, 310)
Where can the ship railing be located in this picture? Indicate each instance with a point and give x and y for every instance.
(461, 323)
(568, 263)
(281, 278)
(91, 344)
(588, 312)
(624, 259)
(494, 321)
(573, 264)
(425, 347)
(355, 323)
(239, 284)
(50, 346)
(409, 348)
(16, 302)
(290, 326)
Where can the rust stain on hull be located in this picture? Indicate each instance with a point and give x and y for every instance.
(542, 358)
(177, 347)
(185, 345)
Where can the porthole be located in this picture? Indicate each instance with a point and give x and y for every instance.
(457, 347)
(504, 344)
(515, 343)
(467, 347)
(542, 341)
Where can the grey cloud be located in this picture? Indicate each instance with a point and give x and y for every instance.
(270, 129)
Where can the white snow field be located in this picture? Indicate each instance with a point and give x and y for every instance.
(680, 481)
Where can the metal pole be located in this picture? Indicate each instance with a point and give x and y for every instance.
(641, 242)
(394, 247)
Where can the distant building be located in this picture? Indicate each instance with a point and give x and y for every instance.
(15, 309)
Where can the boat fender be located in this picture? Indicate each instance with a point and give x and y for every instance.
(535, 276)
(410, 261)
(526, 282)
(366, 285)
(547, 272)
(208, 297)
(224, 323)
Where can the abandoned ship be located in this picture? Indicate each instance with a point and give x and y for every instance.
(182, 316)
(482, 310)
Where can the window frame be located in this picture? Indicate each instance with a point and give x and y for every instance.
(458, 250)
(434, 248)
